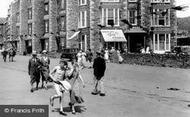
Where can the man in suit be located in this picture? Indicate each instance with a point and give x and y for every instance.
(34, 70)
(99, 67)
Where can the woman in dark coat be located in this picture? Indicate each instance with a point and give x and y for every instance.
(34, 70)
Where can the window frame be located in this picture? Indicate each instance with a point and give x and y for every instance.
(134, 18)
(30, 29)
(29, 13)
(82, 20)
(82, 3)
(46, 26)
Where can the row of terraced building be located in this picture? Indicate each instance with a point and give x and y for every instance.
(91, 24)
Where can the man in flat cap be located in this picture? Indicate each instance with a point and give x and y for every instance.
(99, 67)
(34, 70)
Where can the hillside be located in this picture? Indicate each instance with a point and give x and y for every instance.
(184, 23)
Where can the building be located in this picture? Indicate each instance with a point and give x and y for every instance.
(3, 23)
(92, 24)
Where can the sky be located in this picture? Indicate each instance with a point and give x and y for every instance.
(4, 5)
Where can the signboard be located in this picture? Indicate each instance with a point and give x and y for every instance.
(113, 36)
(110, 0)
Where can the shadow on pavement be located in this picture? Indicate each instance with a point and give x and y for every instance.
(78, 109)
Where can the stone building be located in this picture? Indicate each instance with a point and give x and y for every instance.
(92, 24)
(3, 23)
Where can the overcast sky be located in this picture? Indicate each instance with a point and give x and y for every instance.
(5, 3)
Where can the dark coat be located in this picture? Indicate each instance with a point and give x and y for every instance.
(99, 66)
(34, 70)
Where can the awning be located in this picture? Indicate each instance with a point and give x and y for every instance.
(113, 36)
(74, 35)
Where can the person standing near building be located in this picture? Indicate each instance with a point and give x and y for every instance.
(80, 59)
(34, 70)
(89, 57)
(99, 67)
(45, 61)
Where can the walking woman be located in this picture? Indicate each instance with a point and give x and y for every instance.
(60, 84)
(75, 80)
(45, 61)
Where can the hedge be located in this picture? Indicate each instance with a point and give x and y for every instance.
(160, 60)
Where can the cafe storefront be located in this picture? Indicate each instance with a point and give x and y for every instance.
(113, 38)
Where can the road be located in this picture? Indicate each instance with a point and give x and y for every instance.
(131, 91)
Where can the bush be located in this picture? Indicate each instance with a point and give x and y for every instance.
(160, 60)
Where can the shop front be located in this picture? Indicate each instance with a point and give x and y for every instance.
(113, 38)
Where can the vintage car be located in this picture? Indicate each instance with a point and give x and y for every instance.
(69, 53)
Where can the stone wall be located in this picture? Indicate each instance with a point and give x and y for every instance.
(38, 23)
(72, 14)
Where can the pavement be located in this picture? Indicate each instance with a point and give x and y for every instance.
(131, 91)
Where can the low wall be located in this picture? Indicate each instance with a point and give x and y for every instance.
(161, 60)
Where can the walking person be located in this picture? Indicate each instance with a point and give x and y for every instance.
(106, 55)
(99, 66)
(60, 84)
(4, 53)
(75, 80)
(89, 57)
(120, 58)
(45, 61)
(34, 70)
(80, 59)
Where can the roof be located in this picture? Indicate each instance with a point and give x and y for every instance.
(3, 20)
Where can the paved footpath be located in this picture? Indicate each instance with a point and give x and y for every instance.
(132, 91)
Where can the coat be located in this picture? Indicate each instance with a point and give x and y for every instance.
(99, 66)
(34, 70)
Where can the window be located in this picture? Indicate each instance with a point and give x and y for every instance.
(62, 4)
(17, 30)
(83, 43)
(46, 8)
(161, 17)
(110, 17)
(17, 17)
(30, 13)
(30, 29)
(62, 23)
(82, 2)
(29, 1)
(109, 1)
(46, 26)
(83, 19)
(161, 42)
(132, 17)
(132, 0)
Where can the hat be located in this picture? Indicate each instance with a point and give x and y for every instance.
(34, 53)
(44, 51)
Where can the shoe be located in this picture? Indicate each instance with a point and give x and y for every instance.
(73, 112)
(51, 101)
(102, 94)
(94, 93)
(31, 90)
(62, 113)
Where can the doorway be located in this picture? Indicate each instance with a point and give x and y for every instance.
(136, 42)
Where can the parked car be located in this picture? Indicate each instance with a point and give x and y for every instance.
(69, 53)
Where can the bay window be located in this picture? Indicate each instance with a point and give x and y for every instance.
(161, 42)
(161, 17)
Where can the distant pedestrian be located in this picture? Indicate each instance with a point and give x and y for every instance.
(45, 61)
(60, 84)
(120, 58)
(4, 53)
(80, 59)
(99, 66)
(106, 55)
(12, 53)
(34, 70)
(89, 57)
